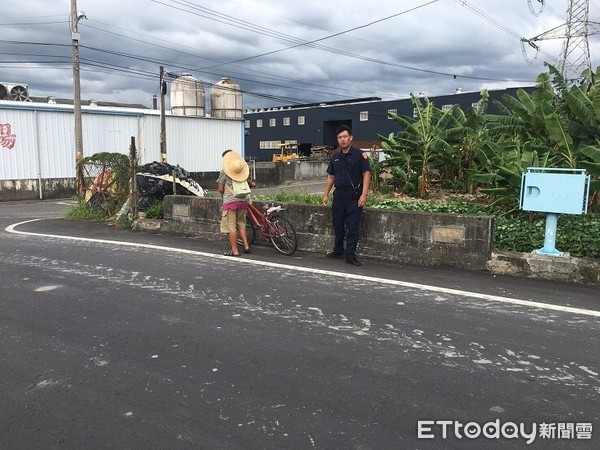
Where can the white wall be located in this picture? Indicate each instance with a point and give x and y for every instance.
(44, 138)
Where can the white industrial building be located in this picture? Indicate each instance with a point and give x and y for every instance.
(37, 143)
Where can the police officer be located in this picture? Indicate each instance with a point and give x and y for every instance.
(349, 171)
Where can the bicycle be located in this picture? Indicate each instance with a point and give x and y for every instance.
(274, 227)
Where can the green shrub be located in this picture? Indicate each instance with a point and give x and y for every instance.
(453, 206)
(302, 196)
(156, 211)
(83, 211)
(578, 235)
(114, 169)
(125, 221)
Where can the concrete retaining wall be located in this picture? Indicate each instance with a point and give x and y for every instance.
(428, 239)
(303, 170)
(271, 174)
(50, 188)
(311, 170)
(555, 268)
(267, 174)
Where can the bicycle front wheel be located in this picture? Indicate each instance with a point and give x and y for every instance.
(284, 235)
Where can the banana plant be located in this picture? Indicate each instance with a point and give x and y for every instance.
(472, 136)
(508, 161)
(422, 140)
(555, 116)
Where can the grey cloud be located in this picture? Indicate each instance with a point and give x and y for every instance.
(442, 37)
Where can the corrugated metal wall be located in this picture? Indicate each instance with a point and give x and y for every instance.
(21, 160)
(44, 139)
(55, 139)
(200, 143)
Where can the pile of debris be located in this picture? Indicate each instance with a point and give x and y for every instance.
(155, 180)
(322, 152)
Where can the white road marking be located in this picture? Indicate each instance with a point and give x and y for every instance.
(47, 288)
(312, 270)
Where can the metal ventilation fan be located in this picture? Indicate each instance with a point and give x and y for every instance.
(13, 91)
(19, 94)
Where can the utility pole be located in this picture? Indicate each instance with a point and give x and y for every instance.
(75, 18)
(163, 127)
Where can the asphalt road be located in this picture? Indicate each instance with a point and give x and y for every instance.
(116, 339)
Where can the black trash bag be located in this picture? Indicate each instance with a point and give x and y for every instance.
(155, 180)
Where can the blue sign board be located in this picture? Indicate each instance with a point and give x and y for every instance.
(554, 192)
(560, 191)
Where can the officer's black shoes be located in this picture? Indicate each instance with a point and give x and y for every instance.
(350, 260)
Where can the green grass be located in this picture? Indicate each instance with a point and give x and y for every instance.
(125, 222)
(83, 211)
(156, 211)
(302, 196)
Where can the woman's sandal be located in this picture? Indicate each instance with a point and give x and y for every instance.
(247, 250)
(230, 253)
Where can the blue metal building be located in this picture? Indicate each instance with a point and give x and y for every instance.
(315, 124)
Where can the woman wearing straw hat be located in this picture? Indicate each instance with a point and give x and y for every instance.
(233, 217)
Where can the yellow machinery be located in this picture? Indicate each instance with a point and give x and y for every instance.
(287, 153)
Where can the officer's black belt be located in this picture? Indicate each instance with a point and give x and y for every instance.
(344, 189)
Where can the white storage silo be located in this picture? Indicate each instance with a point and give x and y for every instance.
(226, 100)
(187, 97)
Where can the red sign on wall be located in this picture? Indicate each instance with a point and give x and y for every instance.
(7, 140)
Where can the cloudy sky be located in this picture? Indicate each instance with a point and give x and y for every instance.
(282, 52)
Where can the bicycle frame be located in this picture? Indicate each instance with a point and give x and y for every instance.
(261, 221)
(273, 226)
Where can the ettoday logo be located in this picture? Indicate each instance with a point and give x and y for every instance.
(431, 429)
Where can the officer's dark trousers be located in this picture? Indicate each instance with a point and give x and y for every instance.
(346, 215)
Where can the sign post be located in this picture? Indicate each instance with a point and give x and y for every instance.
(553, 192)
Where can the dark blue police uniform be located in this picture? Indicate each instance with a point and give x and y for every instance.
(348, 170)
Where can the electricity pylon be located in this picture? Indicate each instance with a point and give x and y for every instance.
(575, 53)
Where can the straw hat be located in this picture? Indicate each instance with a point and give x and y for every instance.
(235, 167)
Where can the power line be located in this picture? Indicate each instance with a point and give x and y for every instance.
(555, 12)
(31, 23)
(498, 24)
(259, 73)
(489, 18)
(171, 64)
(241, 77)
(146, 42)
(324, 48)
(336, 51)
(232, 21)
(333, 50)
(120, 70)
(50, 44)
(144, 59)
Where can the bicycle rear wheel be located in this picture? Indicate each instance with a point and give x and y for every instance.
(284, 235)
(250, 231)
